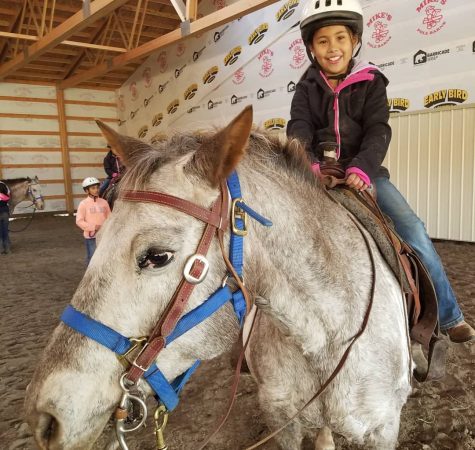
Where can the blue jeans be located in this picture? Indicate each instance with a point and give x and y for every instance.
(413, 231)
(4, 216)
(90, 249)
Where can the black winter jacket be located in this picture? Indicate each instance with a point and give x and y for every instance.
(112, 164)
(355, 115)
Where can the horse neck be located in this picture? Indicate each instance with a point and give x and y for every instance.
(302, 264)
(19, 192)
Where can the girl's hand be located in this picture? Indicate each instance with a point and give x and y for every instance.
(355, 182)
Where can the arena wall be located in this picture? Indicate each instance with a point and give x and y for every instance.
(52, 134)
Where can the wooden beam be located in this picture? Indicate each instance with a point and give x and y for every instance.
(98, 9)
(180, 8)
(29, 37)
(13, 24)
(191, 10)
(65, 150)
(213, 20)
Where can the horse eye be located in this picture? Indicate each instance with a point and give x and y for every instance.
(154, 259)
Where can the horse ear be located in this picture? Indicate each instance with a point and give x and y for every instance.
(123, 146)
(219, 156)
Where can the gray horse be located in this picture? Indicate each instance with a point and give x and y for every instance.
(25, 189)
(310, 274)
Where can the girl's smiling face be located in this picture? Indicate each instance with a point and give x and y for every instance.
(332, 47)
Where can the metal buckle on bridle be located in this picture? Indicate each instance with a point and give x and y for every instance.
(137, 344)
(189, 266)
(122, 414)
(238, 213)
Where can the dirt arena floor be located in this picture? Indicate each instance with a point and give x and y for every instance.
(40, 276)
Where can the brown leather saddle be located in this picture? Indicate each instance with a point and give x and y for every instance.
(414, 278)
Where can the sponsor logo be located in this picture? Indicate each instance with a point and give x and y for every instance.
(287, 10)
(232, 56)
(159, 137)
(162, 87)
(276, 123)
(398, 104)
(445, 97)
(432, 17)
(258, 34)
(133, 90)
(212, 105)
(193, 109)
(162, 62)
(198, 53)
(291, 87)
(379, 28)
(147, 77)
(385, 65)
(219, 4)
(421, 57)
(239, 76)
(191, 91)
(210, 75)
(179, 70)
(173, 106)
(235, 99)
(147, 101)
(180, 48)
(142, 132)
(157, 119)
(219, 34)
(134, 113)
(265, 57)
(261, 93)
(298, 53)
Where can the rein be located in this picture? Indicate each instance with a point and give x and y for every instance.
(34, 199)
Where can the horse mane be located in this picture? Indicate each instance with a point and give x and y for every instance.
(264, 147)
(16, 180)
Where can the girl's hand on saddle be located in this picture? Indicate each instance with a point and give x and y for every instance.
(355, 182)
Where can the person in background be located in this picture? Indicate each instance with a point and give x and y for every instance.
(91, 214)
(343, 100)
(113, 168)
(4, 217)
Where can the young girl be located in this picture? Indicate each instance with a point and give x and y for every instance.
(341, 102)
(91, 214)
(4, 217)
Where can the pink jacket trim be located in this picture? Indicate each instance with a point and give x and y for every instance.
(360, 173)
(316, 168)
(4, 197)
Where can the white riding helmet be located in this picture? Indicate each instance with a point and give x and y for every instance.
(90, 181)
(321, 13)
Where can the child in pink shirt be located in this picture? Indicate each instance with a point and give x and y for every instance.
(91, 214)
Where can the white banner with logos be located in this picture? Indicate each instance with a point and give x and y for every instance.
(426, 48)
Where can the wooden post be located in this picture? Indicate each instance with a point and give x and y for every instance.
(63, 132)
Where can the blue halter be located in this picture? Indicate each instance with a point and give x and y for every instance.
(165, 392)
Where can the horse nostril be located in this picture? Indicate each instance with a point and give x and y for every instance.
(47, 429)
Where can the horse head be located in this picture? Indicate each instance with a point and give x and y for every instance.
(139, 262)
(34, 193)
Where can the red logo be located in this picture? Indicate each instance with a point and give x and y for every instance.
(147, 77)
(239, 76)
(219, 4)
(299, 55)
(265, 57)
(432, 16)
(133, 90)
(379, 28)
(180, 48)
(162, 62)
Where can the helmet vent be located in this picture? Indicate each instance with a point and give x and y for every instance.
(328, 2)
(339, 2)
(317, 4)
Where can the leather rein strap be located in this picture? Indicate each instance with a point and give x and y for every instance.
(216, 220)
